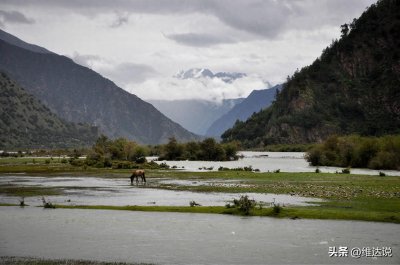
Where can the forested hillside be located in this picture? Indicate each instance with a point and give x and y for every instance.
(26, 123)
(353, 87)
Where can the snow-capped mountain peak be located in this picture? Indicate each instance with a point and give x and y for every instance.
(196, 73)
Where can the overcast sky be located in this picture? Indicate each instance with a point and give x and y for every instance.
(141, 44)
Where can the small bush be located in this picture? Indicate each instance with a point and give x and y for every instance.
(244, 204)
(276, 209)
(229, 206)
(193, 204)
(164, 166)
(22, 202)
(382, 174)
(47, 161)
(277, 171)
(317, 170)
(47, 204)
(76, 162)
(249, 168)
(346, 171)
(140, 160)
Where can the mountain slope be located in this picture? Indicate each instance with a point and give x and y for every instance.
(7, 37)
(256, 101)
(26, 123)
(194, 115)
(79, 94)
(354, 87)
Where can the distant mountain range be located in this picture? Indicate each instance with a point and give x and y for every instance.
(196, 73)
(352, 88)
(78, 94)
(256, 101)
(26, 123)
(195, 115)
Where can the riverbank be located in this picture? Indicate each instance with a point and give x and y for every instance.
(328, 210)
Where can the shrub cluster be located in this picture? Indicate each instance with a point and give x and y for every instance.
(118, 153)
(207, 150)
(244, 204)
(357, 151)
(249, 168)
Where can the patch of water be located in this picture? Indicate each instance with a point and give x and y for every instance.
(194, 183)
(269, 162)
(102, 191)
(173, 238)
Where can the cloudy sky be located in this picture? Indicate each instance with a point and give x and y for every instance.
(142, 44)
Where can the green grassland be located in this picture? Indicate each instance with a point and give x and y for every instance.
(326, 210)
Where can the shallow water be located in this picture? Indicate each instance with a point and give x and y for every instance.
(173, 238)
(270, 161)
(102, 191)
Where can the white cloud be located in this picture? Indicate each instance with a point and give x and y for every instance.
(128, 73)
(87, 60)
(140, 44)
(201, 88)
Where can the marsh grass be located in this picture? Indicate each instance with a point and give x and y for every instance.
(47, 204)
(276, 209)
(28, 191)
(323, 211)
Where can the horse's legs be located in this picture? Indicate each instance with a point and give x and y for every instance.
(143, 178)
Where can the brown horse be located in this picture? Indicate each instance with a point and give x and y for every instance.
(136, 174)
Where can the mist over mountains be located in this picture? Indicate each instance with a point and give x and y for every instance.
(78, 94)
(196, 73)
(255, 102)
(195, 115)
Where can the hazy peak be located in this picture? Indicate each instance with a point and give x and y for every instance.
(196, 73)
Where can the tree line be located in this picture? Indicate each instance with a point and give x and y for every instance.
(207, 150)
(357, 151)
(122, 153)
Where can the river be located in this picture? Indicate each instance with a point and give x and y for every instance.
(173, 238)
